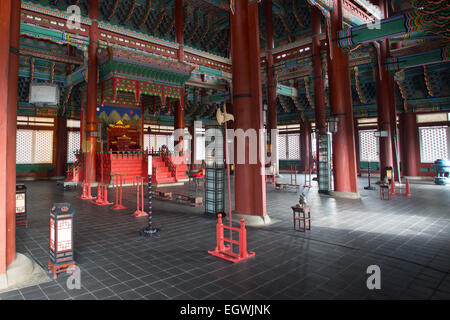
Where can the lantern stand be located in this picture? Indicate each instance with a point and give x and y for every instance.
(369, 187)
(150, 231)
(61, 239)
(21, 205)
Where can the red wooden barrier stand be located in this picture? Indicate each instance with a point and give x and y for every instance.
(401, 189)
(86, 191)
(102, 195)
(293, 172)
(102, 188)
(308, 185)
(225, 251)
(140, 212)
(119, 190)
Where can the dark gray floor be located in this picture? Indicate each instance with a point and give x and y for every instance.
(407, 237)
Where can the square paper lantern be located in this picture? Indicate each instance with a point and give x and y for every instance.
(21, 205)
(61, 238)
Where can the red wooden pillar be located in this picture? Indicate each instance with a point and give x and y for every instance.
(319, 91)
(344, 158)
(61, 146)
(91, 103)
(409, 140)
(179, 112)
(383, 108)
(179, 34)
(305, 145)
(179, 28)
(179, 119)
(9, 67)
(13, 81)
(396, 151)
(272, 117)
(385, 99)
(61, 134)
(250, 192)
(5, 11)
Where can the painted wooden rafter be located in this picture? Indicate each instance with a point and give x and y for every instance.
(402, 92)
(212, 38)
(113, 10)
(31, 74)
(48, 56)
(361, 96)
(52, 74)
(187, 12)
(110, 34)
(296, 15)
(211, 110)
(196, 26)
(285, 26)
(160, 20)
(223, 42)
(427, 81)
(130, 13)
(147, 13)
(170, 27)
(205, 32)
(194, 104)
(308, 91)
(282, 104)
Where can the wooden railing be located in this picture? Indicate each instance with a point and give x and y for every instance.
(165, 154)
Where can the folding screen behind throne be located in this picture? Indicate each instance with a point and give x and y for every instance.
(121, 137)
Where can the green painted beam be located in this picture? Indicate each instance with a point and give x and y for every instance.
(418, 59)
(386, 28)
(287, 91)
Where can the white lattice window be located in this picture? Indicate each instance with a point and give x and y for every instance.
(433, 144)
(34, 146)
(151, 142)
(293, 146)
(282, 151)
(73, 145)
(147, 142)
(24, 147)
(368, 146)
(200, 147)
(289, 146)
(170, 143)
(160, 141)
(43, 146)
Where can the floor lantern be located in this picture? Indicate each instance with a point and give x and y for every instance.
(215, 173)
(61, 238)
(21, 205)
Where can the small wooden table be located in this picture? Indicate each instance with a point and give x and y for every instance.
(162, 195)
(303, 216)
(385, 192)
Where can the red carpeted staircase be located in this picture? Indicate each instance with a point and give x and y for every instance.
(181, 167)
(161, 172)
(168, 167)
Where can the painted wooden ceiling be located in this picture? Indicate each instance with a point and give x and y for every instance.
(207, 28)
